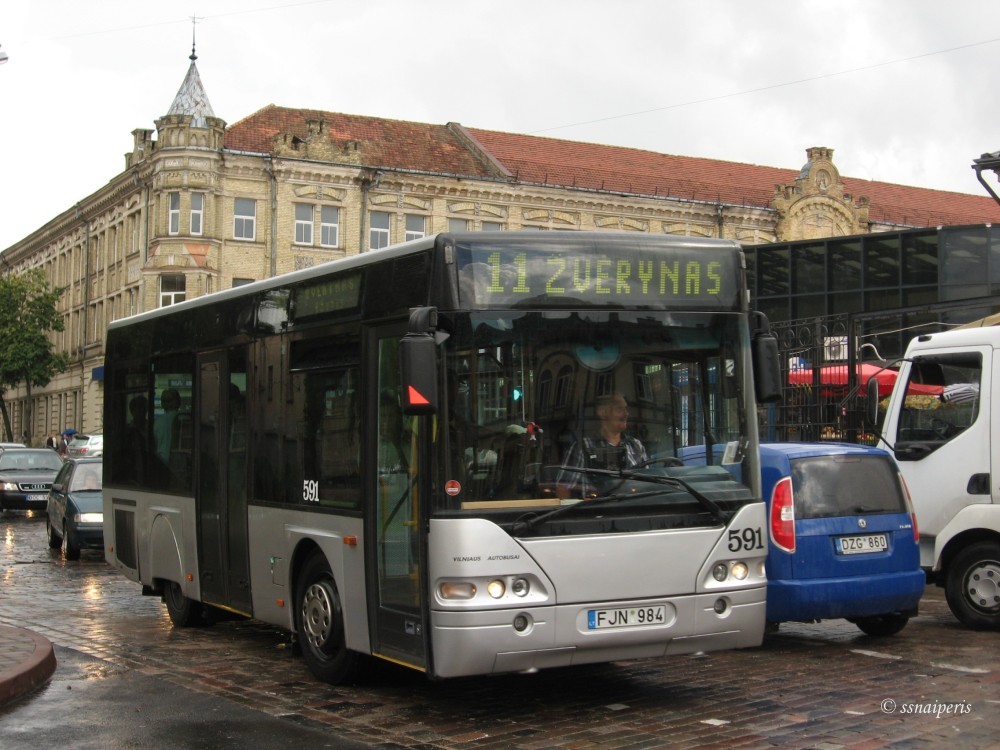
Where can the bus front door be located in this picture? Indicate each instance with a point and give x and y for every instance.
(399, 615)
(223, 557)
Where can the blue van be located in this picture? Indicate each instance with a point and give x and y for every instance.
(843, 539)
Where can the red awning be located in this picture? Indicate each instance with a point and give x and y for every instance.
(834, 379)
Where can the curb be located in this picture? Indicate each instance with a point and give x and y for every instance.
(36, 665)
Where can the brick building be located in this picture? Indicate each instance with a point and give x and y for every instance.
(203, 206)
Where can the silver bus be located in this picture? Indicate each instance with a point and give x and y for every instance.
(458, 454)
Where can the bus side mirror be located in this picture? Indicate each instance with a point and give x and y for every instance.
(418, 364)
(871, 404)
(766, 369)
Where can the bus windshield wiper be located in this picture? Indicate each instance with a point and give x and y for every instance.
(523, 524)
(678, 485)
(706, 502)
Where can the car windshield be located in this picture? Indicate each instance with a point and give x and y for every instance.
(30, 460)
(546, 410)
(88, 477)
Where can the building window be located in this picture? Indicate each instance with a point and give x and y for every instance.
(414, 227)
(303, 224)
(458, 225)
(174, 214)
(171, 289)
(241, 282)
(329, 226)
(197, 212)
(245, 219)
(379, 235)
(492, 226)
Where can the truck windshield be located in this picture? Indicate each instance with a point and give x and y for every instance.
(546, 410)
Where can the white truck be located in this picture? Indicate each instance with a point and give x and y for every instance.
(943, 425)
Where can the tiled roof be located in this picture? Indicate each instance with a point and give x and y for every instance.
(438, 149)
(383, 143)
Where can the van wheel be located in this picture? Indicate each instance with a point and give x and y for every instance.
(70, 548)
(55, 541)
(973, 586)
(320, 624)
(882, 626)
(184, 612)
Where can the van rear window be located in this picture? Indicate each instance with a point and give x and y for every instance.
(828, 486)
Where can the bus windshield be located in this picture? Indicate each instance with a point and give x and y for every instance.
(547, 410)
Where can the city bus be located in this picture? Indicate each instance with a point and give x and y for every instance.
(371, 453)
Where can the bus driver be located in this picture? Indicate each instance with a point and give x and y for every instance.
(613, 448)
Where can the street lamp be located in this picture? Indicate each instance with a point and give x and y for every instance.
(991, 162)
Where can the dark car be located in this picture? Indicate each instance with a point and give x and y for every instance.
(843, 536)
(26, 475)
(75, 517)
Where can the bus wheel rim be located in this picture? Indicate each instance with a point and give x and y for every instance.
(317, 615)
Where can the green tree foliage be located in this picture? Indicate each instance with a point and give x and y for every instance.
(27, 316)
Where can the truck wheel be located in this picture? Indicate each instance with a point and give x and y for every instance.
(320, 624)
(973, 586)
(882, 626)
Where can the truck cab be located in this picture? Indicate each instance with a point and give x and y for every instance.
(943, 428)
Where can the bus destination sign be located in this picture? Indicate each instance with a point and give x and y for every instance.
(336, 294)
(642, 275)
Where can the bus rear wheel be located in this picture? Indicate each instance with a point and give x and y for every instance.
(973, 586)
(321, 624)
(184, 612)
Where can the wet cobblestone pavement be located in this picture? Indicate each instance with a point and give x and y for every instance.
(824, 686)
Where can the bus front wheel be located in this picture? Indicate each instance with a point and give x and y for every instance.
(321, 624)
(184, 612)
(973, 586)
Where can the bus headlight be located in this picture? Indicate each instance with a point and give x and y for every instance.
(520, 586)
(496, 588)
(457, 590)
(720, 572)
(739, 571)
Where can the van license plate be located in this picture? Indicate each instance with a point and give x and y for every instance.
(626, 617)
(859, 545)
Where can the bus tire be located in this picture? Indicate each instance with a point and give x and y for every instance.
(320, 624)
(184, 612)
(972, 587)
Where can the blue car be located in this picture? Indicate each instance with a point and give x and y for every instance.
(843, 539)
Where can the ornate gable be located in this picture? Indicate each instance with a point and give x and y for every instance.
(815, 205)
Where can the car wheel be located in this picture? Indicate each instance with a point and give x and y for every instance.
(882, 626)
(973, 586)
(70, 548)
(184, 612)
(55, 541)
(320, 624)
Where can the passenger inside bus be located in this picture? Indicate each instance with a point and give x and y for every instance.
(612, 448)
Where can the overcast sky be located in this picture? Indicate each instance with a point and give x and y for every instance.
(904, 91)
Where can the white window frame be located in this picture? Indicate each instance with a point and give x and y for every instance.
(244, 224)
(412, 233)
(304, 223)
(197, 213)
(174, 213)
(378, 237)
(172, 296)
(329, 231)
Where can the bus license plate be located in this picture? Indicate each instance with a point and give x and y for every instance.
(859, 545)
(626, 617)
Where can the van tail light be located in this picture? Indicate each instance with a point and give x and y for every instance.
(909, 508)
(783, 515)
